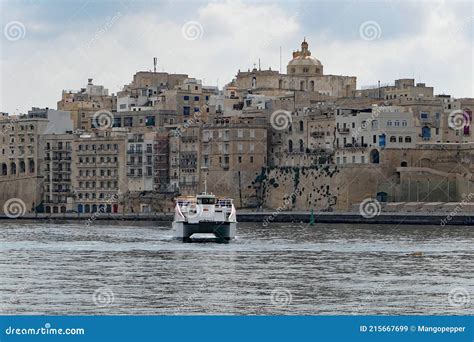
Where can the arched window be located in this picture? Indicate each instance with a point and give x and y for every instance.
(254, 82)
(400, 139)
(393, 138)
(374, 157)
(63, 209)
(290, 146)
(80, 208)
(94, 208)
(301, 126)
(31, 166)
(55, 210)
(408, 139)
(311, 85)
(87, 208)
(375, 124)
(301, 146)
(12, 168)
(302, 85)
(4, 169)
(22, 166)
(48, 209)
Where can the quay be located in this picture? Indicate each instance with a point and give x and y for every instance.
(269, 217)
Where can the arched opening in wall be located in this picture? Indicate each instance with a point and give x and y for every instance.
(94, 208)
(302, 85)
(254, 82)
(63, 209)
(393, 139)
(80, 208)
(280, 84)
(87, 208)
(425, 162)
(301, 126)
(55, 210)
(109, 208)
(31, 166)
(22, 166)
(403, 164)
(374, 157)
(12, 168)
(48, 209)
(301, 146)
(115, 208)
(311, 85)
(290, 146)
(382, 196)
(4, 169)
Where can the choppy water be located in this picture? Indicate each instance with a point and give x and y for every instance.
(136, 268)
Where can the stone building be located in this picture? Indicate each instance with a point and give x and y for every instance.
(99, 172)
(362, 133)
(85, 103)
(304, 74)
(22, 154)
(58, 194)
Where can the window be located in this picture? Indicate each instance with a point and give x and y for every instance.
(240, 147)
(389, 123)
(186, 110)
(196, 98)
(252, 147)
(404, 123)
(393, 139)
(301, 126)
(397, 123)
(252, 133)
(186, 98)
(400, 139)
(408, 139)
(240, 159)
(251, 159)
(240, 133)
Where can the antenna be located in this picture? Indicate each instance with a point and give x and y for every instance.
(259, 64)
(280, 59)
(155, 61)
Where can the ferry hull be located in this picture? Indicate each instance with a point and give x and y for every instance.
(223, 231)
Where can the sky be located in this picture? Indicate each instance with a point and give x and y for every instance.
(47, 46)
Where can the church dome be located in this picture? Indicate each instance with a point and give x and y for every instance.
(305, 60)
(303, 63)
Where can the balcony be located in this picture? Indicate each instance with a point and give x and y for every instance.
(134, 175)
(134, 151)
(356, 147)
(343, 130)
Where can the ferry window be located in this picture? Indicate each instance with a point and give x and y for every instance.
(206, 200)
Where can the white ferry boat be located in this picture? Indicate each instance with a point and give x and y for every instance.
(204, 214)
